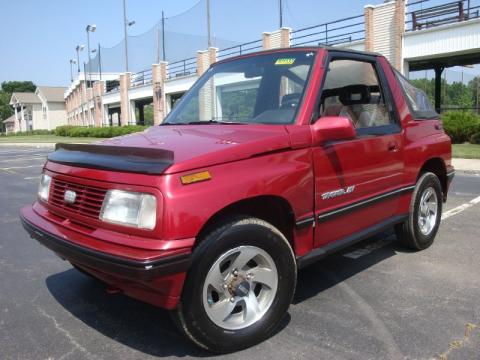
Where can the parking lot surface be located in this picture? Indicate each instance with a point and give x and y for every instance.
(373, 301)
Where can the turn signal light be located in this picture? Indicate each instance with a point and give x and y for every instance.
(196, 177)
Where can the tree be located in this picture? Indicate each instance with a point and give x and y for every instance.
(6, 90)
(18, 86)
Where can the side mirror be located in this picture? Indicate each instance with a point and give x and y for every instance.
(332, 128)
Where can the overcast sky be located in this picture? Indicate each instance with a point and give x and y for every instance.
(38, 37)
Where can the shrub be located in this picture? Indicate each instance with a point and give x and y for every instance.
(97, 132)
(63, 130)
(475, 138)
(460, 125)
(31, 132)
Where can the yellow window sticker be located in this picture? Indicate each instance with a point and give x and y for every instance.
(285, 61)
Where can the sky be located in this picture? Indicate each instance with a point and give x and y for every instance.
(38, 37)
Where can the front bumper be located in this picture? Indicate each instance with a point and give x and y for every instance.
(157, 280)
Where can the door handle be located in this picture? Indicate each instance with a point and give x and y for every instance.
(392, 146)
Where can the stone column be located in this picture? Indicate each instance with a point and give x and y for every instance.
(384, 29)
(98, 90)
(206, 106)
(277, 39)
(368, 27)
(159, 75)
(125, 83)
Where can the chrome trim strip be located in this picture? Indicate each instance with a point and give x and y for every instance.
(305, 222)
(339, 211)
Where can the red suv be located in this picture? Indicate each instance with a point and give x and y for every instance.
(271, 161)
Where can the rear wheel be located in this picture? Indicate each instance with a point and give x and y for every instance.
(419, 231)
(239, 287)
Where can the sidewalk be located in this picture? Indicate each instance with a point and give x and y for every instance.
(466, 165)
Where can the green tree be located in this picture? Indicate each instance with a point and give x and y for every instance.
(18, 86)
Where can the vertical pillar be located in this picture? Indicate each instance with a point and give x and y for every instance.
(206, 96)
(98, 89)
(125, 84)
(368, 11)
(159, 75)
(384, 29)
(277, 39)
(438, 88)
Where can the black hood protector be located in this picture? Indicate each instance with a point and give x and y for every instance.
(115, 158)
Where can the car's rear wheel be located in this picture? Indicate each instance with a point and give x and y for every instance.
(239, 287)
(419, 231)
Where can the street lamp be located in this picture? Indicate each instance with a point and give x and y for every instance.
(126, 24)
(79, 48)
(89, 29)
(72, 61)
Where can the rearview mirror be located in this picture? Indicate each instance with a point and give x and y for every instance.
(332, 128)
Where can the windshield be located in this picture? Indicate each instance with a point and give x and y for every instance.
(263, 89)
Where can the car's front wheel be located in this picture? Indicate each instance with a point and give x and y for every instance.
(239, 287)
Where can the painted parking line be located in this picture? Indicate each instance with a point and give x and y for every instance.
(358, 253)
(24, 159)
(460, 208)
(21, 167)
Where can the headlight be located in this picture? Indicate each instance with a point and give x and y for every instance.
(44, 187)
(130, 208)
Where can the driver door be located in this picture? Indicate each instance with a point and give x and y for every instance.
(356, 181)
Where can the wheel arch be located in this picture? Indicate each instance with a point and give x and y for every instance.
(273, 209)
(437, 166)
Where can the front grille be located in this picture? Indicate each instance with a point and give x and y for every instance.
(88, 201)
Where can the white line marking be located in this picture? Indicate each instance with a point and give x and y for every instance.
(31, 178)
(460, 208)
(21, 167)
(24, 159)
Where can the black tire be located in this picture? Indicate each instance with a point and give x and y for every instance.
(409, 233)
(191, 316)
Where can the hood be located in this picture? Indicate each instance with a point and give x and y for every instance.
(197, 146)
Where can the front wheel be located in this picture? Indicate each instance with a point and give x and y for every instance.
(239, 287)
(419, 231)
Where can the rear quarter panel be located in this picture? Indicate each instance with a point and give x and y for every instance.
(424, 139)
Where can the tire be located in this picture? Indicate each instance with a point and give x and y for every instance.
(218, 310)
(418, 232)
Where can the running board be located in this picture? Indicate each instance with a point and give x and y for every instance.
(321, 252)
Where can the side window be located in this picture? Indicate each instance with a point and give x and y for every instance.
(352, 89)
(418, 102)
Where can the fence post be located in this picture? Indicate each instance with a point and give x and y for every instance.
(98, 91)
(159, 75)
(125, 84)
(277, 39)
(386, 19)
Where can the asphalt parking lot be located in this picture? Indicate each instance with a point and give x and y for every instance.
(374, 301)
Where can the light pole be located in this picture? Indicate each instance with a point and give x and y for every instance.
(79, 48)
(72, 61)
(89, 29)
(126, 24)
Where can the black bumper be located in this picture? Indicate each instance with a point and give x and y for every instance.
(107, 263)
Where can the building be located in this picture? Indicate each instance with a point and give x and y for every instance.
(413, 36)
(9, 124)
(43, 109)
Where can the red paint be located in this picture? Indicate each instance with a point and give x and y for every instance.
(296, 163)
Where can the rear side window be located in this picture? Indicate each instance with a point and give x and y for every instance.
(420, 106)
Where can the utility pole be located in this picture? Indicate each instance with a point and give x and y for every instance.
(208, 25)
(280, 8)
(163, 35)
(125, 24)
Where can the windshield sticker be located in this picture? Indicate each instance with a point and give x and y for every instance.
(285, 61)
